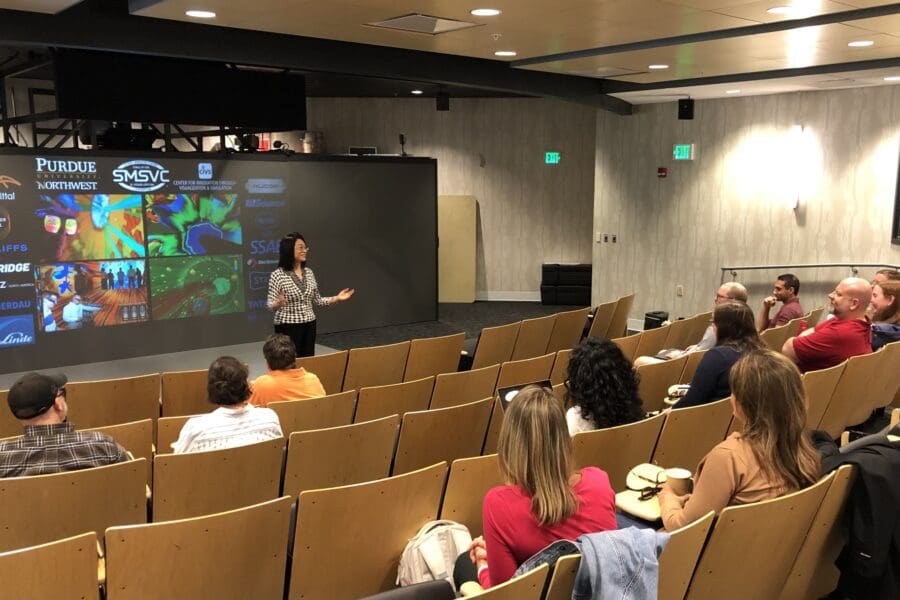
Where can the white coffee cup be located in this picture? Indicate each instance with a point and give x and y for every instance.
(680, 481)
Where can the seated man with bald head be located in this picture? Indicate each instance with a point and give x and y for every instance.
(832, 341)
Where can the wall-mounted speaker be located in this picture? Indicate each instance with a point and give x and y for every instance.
(442, 100)
(686, 109)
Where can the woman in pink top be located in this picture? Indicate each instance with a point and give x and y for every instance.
(546, 499)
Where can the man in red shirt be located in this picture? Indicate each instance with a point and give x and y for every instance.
(832, 341)
(787, 288)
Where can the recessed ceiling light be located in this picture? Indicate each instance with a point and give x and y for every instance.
(485, 12)
(504, 53)
(861, 43)
(416, 92)
(732, 91)
(781, 10)
(892, 78)
(201, 14)
(658, 67)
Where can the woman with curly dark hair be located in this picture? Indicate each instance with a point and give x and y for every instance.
(602, 387)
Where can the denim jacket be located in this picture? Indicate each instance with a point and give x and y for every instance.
(619, 565)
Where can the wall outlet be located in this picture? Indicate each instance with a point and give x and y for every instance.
(615, 238)
(605, 238)
(679, 290)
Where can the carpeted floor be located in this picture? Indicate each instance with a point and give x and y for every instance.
(452, 318)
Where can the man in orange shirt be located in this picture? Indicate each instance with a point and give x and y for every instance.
(284, 381)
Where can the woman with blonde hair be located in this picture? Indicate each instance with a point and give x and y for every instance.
(885, 313)
(545, 498)
(771, 457)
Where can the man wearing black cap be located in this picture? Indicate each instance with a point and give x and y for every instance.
(50, 444)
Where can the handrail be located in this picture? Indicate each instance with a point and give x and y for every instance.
(853, 267)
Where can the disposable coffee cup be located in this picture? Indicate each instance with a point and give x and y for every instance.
(679, 481)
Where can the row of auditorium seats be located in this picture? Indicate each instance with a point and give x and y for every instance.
(347, 542)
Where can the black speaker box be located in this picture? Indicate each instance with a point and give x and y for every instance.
(442, 100)
(686, 109)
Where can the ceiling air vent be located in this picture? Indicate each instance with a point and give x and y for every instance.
(423, 24)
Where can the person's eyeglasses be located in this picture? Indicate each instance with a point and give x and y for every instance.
(302, 248)
(61, 392)
(649, 491)
(722, 297)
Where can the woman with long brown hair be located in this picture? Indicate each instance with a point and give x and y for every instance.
(771, 457)
(545, 498)
(885, 313)
(736, 335)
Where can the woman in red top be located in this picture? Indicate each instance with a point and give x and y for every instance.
(546, 499)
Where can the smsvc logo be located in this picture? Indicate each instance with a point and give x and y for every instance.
(205, 171)
(16, 330)
(141, 175)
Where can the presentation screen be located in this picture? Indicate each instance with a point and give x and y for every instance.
(109, 255)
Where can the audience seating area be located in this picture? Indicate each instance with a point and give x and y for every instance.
(401, 439)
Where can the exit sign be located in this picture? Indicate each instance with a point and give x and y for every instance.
(551, 158)
(683, 152)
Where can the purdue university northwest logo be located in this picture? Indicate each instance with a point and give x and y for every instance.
(6, 181)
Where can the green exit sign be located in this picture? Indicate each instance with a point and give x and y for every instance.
(551, 158)
(683, 152)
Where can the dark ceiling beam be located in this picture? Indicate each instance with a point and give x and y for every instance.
(618, 87)
(103, 26)
(719, 34)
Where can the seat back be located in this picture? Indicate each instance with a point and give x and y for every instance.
(699, 324)
(430, 356)
(528, 586)
(793, 326)
(819, 386)
(493, 434)
(563, 578)
(743, 555)
(231, 555)
(814, 316)
(495, 345)
(775, 337)
(617, 449)
(814, 574)
(847, 406)
(560, 371)
(470, 479)
(62, 570)
(526, 370)
(619, 324)
(453, 389)
(441, 434)
(184, 393)
(329, 368)
(888, 377)
(679, 558)
(628, 345)
(167, 432)
(322, 458)
(43, 508)
(679, 333)
(690, 366)
(602, 318)
(136, 437)
(534, 335)
(329, 523)
(378, 365)
(652, 341)
(315, 413)
(395, 399)
(113, 401)
(655, 380)
(427, 590)
(9, 425)
(202, 483)
(567, 329)
(689, 433)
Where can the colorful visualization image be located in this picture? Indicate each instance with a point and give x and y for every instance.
(194, 286)
(91, 294)
(91, 226)
(192, 224)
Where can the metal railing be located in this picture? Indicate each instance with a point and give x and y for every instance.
(854, 268)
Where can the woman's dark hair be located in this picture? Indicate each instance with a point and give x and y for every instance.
(227, 381)
(603, 384)
(286, 251)
(735, 327)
